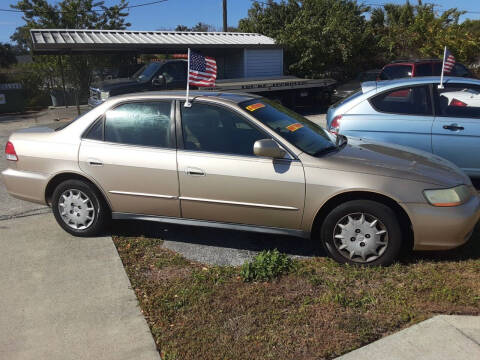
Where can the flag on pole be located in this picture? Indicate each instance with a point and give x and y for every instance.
(447, 65)
(449, 61)
(202, 70)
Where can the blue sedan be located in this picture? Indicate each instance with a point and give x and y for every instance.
(416, 112)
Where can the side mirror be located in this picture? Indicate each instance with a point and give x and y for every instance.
(159, 81)
(268, 148)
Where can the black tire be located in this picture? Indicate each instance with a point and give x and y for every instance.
(97, 219)
(337, 223)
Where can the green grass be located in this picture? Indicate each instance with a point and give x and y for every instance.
(277, 308)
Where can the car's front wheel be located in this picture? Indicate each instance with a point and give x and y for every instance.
(79, 209)
(362, 232)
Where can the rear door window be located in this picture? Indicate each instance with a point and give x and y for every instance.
(459, 100)
(408, 100)
(140, 123)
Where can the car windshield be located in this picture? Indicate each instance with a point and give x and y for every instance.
(146, 71)
(299, 131)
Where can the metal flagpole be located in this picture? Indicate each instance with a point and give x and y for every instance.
(187, 102)
(443, 68)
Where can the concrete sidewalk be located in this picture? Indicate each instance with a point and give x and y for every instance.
(66, 298)
(443, 337)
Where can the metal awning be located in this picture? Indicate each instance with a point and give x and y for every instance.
(58, 41)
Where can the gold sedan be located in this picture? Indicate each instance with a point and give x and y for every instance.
(242, 162)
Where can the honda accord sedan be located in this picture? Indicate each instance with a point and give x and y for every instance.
(242, 162)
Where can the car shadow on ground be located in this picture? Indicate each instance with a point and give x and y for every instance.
(233, 239)
(249, 241)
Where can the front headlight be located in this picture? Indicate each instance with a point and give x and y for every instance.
(449, 197)
(104, 95)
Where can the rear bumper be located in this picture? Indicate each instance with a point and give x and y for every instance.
(25, 185)
(442, 228)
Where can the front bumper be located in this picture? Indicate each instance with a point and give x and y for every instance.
(442, 228)
(25, 185)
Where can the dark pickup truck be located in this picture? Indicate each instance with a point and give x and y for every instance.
(172, 75)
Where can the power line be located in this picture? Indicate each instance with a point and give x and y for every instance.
(96, 11)
(436, 5)
(150, 3)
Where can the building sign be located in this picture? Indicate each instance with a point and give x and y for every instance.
(3, 99)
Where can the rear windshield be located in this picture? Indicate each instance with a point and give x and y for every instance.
(299, 131)
(396, 72)
(348, 98)
(64, 125)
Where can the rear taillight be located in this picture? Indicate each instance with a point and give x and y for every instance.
(10, 153)
(335, 125)
(456, 102)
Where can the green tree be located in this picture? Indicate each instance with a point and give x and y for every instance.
(199, 27)
(409, 31)
(7, 56)
(70, 14)
(320, 37)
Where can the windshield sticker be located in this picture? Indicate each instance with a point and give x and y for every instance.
(294, 127)
(254, 107)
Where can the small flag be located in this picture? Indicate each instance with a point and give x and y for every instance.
(449, 61)
(202, 70)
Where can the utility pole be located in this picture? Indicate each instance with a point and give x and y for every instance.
(225, 27)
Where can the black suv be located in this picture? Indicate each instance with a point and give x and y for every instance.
(158, 75)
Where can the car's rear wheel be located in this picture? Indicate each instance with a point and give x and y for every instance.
(362, 232)
(79, 208)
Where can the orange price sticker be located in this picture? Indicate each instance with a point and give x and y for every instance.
(294, 127)
(254, 107)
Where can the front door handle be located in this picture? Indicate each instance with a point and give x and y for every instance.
(453, 127)
(195, 171)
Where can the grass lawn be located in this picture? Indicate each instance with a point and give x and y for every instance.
(318, 311)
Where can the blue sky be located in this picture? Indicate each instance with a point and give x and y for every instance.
(189, 12)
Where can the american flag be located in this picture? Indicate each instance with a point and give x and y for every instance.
(203, 70)
(449, 61)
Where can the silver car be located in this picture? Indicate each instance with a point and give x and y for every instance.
(243, 162)
(417, 112)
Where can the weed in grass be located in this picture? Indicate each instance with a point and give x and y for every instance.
(266, 266)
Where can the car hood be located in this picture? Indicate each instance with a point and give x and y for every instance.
(397, 161)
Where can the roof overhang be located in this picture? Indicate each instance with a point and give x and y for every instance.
(78, 41)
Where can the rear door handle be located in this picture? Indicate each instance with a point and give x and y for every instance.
(95, 162)
(453, 127)
(195, 171)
